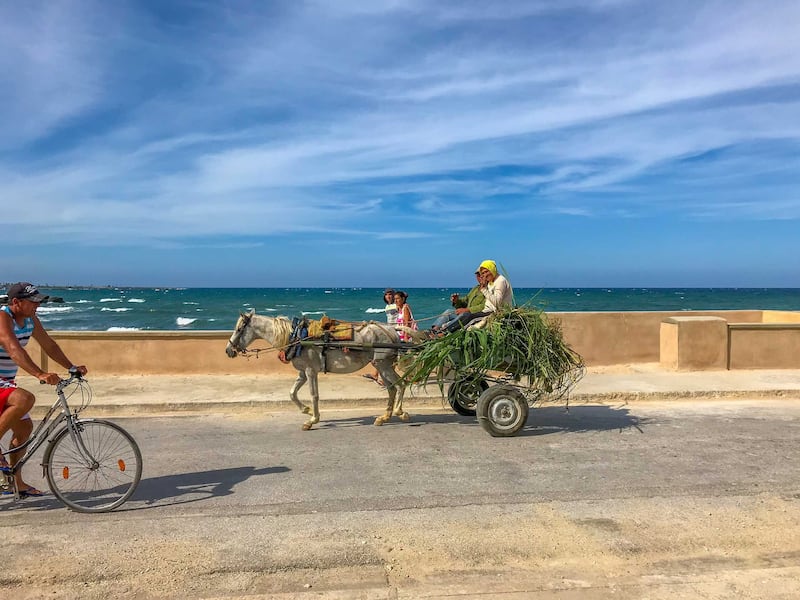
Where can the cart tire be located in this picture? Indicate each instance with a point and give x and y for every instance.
(502, 410)
(463, 394)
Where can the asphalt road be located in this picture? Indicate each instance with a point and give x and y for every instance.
(656, 500)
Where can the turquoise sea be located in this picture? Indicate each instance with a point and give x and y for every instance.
(109, 309)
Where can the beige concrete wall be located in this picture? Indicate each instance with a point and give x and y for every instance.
(766, 346)
(611, 338)
(780, 316)
(669, 355)
(159, 352)
(601, 338)
(694, 343)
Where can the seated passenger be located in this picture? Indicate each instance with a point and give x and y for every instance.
(474, 303)
(404, 315)
(496, 290)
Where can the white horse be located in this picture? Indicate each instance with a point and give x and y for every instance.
(309, 363)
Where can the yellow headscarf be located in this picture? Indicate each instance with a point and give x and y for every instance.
(490, 266)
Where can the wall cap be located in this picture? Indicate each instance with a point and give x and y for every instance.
(764, 325)
(676, 320)
(143, 334)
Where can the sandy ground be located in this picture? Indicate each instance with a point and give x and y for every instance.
(656, 548)
(717, 533)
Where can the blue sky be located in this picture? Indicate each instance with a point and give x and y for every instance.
(349, 143)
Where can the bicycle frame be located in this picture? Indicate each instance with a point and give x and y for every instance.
(47, 429)
(84, 459)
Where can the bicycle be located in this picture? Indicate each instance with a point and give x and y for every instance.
(91, 465)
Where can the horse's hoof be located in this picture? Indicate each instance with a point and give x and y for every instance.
(307, 426)
(306, 410)
(380, 421)
(404, 417)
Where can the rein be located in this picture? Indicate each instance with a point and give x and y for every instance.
(256, 351)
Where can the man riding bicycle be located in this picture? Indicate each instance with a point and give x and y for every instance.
(18, 322)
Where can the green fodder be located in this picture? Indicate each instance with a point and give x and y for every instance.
(521, 342)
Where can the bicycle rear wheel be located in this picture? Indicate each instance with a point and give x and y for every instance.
(99, 476)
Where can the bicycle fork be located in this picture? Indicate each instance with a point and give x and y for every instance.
(75, 433)
(84, 454)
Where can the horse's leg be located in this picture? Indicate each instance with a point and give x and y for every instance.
(312, 373)
(398, 404)
(395, 390)
(299, 382)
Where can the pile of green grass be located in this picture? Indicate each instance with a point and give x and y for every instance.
(520, 342)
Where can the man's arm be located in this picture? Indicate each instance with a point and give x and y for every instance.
(17, 353)
(51, 347)
(457, 301)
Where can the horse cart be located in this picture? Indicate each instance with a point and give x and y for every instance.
(498, 383)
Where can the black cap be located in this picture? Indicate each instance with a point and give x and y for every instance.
(25, 291)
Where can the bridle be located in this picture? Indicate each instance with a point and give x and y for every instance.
(236, 338)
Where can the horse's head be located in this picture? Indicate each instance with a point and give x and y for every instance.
(242, 336)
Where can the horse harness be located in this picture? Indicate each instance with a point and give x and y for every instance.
(326, 330)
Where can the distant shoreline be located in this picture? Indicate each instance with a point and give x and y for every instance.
(47, 286)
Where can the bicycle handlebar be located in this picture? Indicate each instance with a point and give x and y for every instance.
(74, 374)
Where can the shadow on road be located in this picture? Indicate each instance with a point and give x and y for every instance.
(541, 420)
(581, 419)
(184, 488)
(157, 492)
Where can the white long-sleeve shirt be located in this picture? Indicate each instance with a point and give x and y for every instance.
(498, 293)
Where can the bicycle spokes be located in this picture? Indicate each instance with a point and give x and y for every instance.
(94, 467)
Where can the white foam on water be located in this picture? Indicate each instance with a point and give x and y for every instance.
(123, 329)
(82, 301)
(271, 309)
(115, 309)
(375, 310)
(110, 299)
(53, 309)
(184, 321)
(191, 303)
(139, 300)
(314, 312)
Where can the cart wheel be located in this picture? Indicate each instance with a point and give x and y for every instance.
(463, 394)
(502, 410)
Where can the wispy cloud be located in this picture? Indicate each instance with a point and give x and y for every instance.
(130, 123)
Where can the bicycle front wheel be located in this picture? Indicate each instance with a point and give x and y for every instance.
(97, 472)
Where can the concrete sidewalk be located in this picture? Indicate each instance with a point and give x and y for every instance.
(168, 394)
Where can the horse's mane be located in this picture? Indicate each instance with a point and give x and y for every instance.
(282, 329)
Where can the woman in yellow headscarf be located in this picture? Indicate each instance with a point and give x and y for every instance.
(495, 288)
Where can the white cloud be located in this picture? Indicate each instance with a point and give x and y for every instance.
(299, 119)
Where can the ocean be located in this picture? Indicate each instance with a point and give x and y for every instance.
(134, 309)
